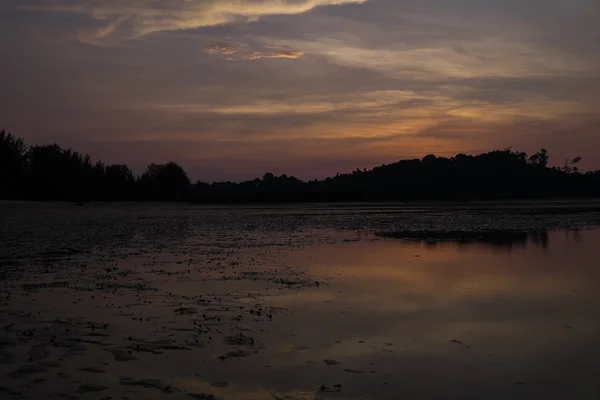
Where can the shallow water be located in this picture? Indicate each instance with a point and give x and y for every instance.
(312, 302)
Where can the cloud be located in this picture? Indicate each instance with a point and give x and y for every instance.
(474, 59)
(101, 36)
(222, 47)
(276, 52)
(394, 77)
(149, 16)
(241, 51)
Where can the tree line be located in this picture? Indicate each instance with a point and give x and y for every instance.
(49, 172)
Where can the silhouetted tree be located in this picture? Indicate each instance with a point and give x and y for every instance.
(540, 158)
(13, 165)
(119, 182)
(166, 181)
(50, 172)
(571, 165)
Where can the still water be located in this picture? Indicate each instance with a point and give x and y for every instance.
(329, 302)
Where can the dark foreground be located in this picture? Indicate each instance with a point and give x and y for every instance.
(346, 302)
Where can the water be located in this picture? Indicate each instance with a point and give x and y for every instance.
(312, 302)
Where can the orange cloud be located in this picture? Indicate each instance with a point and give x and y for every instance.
(244, 52)
(149, 16)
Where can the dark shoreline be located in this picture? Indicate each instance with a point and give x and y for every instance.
(550, 204)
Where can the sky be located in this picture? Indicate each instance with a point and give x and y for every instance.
(231, 89)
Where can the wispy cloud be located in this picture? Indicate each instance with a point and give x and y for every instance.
(149, 16)
(473, 59)
(240, 51)
(222, 47)
(101, 36)
(275, 52)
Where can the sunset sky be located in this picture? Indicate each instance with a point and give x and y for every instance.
(232, 89)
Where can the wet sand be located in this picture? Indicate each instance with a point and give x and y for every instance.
(118, 303)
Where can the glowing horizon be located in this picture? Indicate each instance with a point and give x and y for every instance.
(231, 89)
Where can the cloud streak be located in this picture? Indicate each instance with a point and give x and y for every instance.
(222, 47)
(240, 51)
(271, 52)
(149, 16)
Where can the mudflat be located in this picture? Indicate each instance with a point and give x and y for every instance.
(345, 301)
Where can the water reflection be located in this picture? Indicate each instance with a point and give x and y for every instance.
(452, 321)
(431, 316)
(507, 239)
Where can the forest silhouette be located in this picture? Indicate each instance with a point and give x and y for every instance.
(49, 172)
